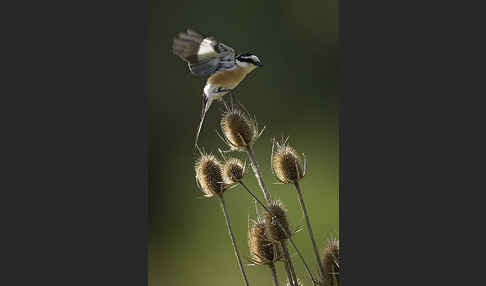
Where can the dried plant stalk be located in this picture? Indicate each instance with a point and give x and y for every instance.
(306, 216)
(258, 174)
(230, 231)
(274, 274)
(289, 262)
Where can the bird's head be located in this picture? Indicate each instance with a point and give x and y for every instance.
(248, 61)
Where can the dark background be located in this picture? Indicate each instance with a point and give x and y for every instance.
(295, 94)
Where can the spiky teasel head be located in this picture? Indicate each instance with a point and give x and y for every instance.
(331, 262)
(233, 170)
(286, 163)
(299, 283)
(209, 175)
(263, 251)
(238, 128)
(276, 224)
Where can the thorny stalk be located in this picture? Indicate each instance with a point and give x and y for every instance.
(258, 174)
(303, 261)
(288, 260)
(304, 210)
(237, 253)
(274, 274)
(289, 276)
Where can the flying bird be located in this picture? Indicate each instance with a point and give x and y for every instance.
(207, 57)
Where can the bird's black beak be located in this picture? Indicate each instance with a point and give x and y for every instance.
(259, 64)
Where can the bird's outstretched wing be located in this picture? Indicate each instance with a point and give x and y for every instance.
(204, 55)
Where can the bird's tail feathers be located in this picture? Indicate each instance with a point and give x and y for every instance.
(206, 103)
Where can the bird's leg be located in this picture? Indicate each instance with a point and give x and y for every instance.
(223, 101)
(203, 104)
(222, 90)
(206, 104)
(230, 94)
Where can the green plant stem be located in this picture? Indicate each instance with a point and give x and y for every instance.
(304, 210)
(284, 230)
(274, 274)
(258, 173)
(237, 253)
(289, 262)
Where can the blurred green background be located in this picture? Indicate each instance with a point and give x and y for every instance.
(295, 94)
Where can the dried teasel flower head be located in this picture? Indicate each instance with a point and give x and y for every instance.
(233, 170)
(238, 128)
(276, 224)
(286, 163)
(263, 251)
(209, 175)
(331, 262)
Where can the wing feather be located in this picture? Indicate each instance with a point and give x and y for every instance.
(204, 55)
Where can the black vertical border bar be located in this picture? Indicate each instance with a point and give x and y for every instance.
(74, 109)
(406, 126)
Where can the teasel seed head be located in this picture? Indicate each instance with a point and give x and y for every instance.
(263, 251)
(276, 224)
(238, 128)
(286, 163)
(331, 262)
(209, 175)
(233, 171)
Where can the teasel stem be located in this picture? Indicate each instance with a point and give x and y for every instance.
(289, 262)
(304, 210)
(237, 253)
(258, 173)
(287, 270)
(254, 196)
(303, 261)
(291, 240)
(274, 274)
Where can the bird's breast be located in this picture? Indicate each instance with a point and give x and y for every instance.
(227, 78)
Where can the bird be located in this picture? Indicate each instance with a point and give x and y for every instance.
(219, 63)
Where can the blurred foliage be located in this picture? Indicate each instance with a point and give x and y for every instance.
(295, 94)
